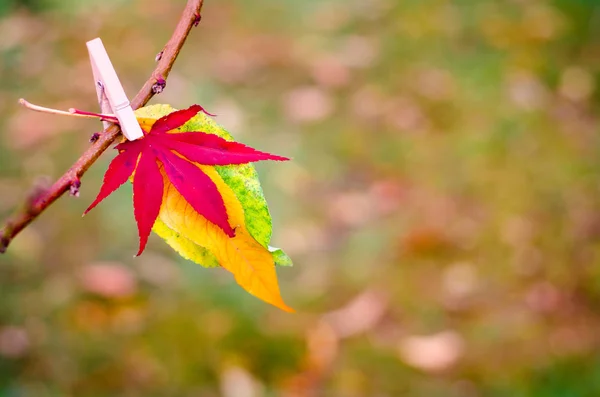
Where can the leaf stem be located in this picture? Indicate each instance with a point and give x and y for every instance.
(72, 112)
(92, 115)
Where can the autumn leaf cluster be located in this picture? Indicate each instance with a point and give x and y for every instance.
(195, 187)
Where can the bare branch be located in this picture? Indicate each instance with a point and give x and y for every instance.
(70, 180)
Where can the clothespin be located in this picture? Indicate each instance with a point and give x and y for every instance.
(111, 96)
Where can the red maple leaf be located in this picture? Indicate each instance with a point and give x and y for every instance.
(176, 153)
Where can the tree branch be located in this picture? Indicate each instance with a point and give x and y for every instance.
(38, 201)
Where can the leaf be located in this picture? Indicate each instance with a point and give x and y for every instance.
(179, 193)
(242, 179)
(175, 119)
(214, 150)
(250, 262)
(147, 191)
(198, 190)
(119, 170)
(185, 247)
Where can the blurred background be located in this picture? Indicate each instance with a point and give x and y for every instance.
(442, 209)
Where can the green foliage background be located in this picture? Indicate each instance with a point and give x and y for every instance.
(442, 209)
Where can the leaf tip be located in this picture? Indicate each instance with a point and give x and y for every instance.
(143, 242)
(91, 207)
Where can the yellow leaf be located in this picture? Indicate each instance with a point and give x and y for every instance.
(251, 263)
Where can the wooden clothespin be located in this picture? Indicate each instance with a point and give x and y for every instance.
(111, 96)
